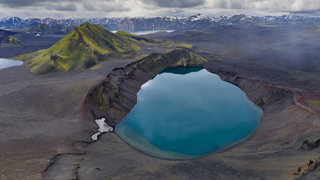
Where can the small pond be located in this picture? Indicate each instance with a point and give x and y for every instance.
(5, 63)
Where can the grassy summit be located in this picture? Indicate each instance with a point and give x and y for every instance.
(84, 47)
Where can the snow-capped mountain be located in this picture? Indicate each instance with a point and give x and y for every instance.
(158, 23)
(11, 21)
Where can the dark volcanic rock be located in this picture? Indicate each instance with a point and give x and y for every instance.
(310, 145)
(310, 170)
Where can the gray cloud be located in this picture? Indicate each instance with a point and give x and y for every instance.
(18, 3)
(63, 7)
(305, 12)
(89, 6)
(115, 9)
(266, 5)
(106, 6)
(176, 3)
(98, 8)
(25, 3)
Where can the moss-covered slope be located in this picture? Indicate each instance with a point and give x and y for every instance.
(82, 48)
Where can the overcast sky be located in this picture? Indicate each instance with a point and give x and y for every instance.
(120, 8)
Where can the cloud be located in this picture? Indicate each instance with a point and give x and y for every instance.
(266, 5)
(63, 7)
(306, 12)
(26, 3)
(89, 6)
(18, 3)
(120, 8)
(115, 9)
(107, 5)
(176, 3)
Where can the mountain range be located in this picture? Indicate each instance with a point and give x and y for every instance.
(159, 23)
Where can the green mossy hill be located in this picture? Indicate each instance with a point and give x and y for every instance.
(84, 47)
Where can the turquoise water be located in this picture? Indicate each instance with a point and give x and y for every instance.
(5, 63)
(188, 112)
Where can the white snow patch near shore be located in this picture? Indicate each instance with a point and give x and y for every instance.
(95, 136)
(103, 127)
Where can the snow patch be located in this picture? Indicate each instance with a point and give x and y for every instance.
(103, 127)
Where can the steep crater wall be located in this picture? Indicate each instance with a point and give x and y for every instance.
(284, 118)
(116, 96)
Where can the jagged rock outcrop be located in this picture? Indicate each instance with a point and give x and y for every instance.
(309, 171)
